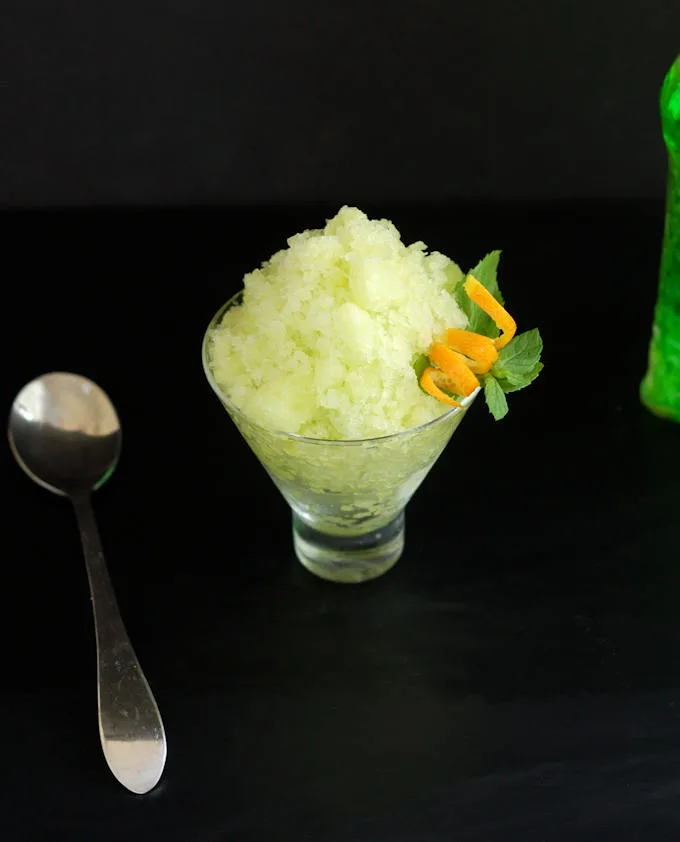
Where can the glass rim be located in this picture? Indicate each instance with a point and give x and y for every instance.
(231, 406)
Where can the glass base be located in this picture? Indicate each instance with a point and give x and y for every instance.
(349, 559)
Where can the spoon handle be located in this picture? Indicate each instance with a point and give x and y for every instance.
(130, 725)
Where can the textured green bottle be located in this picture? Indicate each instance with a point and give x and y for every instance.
(660, 388)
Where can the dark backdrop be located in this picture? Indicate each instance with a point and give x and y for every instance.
(213, 101)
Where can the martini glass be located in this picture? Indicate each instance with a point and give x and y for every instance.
(347, 496)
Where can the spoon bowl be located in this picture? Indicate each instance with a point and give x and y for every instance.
(65, 434)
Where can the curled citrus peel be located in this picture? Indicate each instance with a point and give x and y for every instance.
(455, 367)
(464, 354)
(480, 350)
(434, 380)
(501, 318)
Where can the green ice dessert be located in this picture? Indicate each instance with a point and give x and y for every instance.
(347, 362)
(324, 342)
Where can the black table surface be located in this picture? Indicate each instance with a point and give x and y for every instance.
(515, 677)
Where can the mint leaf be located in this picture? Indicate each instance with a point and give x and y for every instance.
(519, 363)
(420, 363)
(485, 272)
(520, 355)
(495, 398)
(519, 381)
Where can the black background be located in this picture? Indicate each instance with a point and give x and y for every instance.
(200, 101)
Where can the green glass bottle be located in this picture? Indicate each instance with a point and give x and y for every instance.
(660, 390)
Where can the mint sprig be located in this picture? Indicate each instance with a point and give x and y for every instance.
(519, 362)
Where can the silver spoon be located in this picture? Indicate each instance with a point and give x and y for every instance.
(64, 432)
